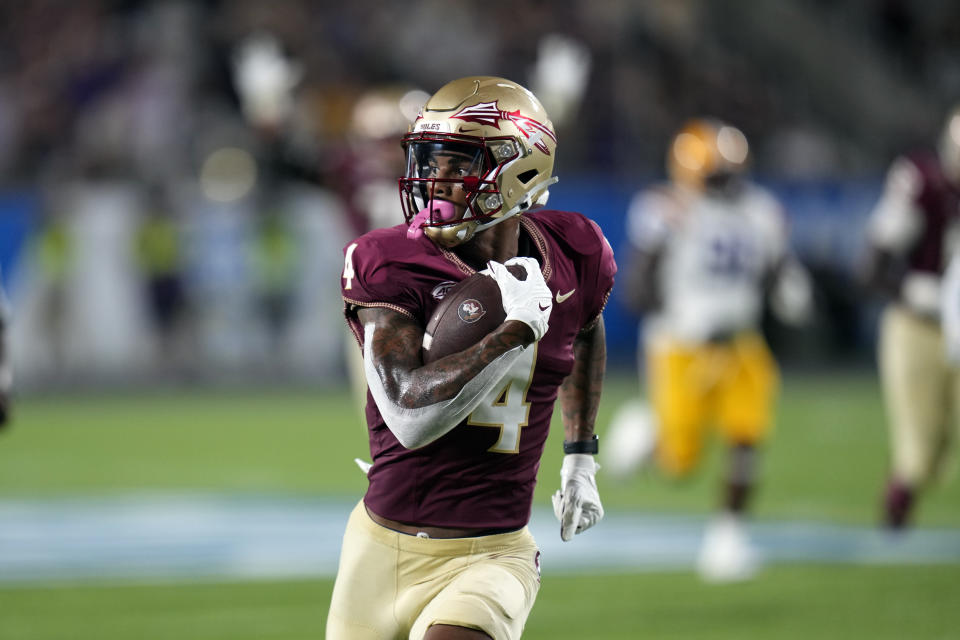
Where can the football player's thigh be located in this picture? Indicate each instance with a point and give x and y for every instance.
(680, 402)
(494, 595)
(915, 390)
(365, 589)
(748, 393)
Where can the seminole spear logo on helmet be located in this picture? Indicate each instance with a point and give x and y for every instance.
(488, 114)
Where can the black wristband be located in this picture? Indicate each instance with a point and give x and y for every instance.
(582, 446)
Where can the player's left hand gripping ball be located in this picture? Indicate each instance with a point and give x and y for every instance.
(577, 503)
(528, 300)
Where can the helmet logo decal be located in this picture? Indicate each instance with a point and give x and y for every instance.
(489, 115)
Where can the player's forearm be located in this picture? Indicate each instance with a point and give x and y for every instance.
(425, 419)
(445, 377)
(580, 392)
(412, 385)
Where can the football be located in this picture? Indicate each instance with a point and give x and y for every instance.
(470, 310)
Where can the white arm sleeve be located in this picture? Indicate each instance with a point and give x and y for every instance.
(418, 427)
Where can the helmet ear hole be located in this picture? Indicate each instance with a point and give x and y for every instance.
(527, 176)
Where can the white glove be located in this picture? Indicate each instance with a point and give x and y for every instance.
(528, 301)
(577, 503)
(792, 296)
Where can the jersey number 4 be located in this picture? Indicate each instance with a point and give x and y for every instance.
(348, 273)
(506, 407)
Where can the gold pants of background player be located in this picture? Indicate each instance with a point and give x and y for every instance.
(730, 385)
(921, 391)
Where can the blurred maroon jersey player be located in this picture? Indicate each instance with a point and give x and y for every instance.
(439, 547)
(913, 235)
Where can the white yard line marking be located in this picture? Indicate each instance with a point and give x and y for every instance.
(161, 537)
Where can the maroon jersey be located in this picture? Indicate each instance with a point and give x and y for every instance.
(482, 473)
(938, 202)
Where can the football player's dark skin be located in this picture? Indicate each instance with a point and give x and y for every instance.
(411, 384)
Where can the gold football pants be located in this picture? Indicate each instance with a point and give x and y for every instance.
(729, 385)
(392, 585)
(920, 390)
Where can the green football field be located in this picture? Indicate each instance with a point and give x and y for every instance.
(825, 463)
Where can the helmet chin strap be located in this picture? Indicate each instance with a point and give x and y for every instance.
(522, 205)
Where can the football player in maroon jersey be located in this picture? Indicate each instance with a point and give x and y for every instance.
(439, 546)
(912, 234)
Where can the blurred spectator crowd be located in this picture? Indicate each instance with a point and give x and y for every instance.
(168, 221)
(138, 88)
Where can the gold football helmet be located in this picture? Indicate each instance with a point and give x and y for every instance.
(486, 136)
(707, 154)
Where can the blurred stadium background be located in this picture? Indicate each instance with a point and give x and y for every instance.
(180, 460)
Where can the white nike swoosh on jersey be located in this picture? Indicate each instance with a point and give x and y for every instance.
(564, 296)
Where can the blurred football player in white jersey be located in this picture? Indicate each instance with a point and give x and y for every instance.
(912, 236)
(710, 251)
